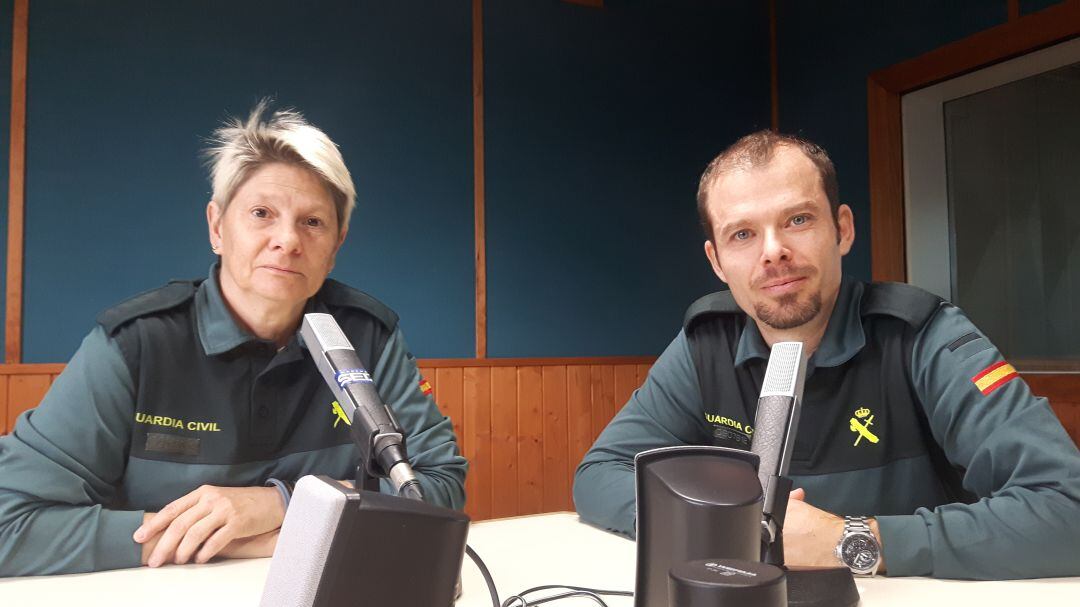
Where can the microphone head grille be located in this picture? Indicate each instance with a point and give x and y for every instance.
(327, 331)
(780, 375)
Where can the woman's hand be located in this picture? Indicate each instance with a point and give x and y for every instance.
(253, 547)
(206, 521)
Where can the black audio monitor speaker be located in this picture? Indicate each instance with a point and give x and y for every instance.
(339, 547)
(693, 503)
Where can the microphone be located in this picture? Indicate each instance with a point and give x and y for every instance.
(372, 425)
(775, 426)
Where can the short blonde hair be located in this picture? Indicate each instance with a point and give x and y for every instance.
(238, 149)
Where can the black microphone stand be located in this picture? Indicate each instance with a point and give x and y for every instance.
(774, 510)
(806, 586)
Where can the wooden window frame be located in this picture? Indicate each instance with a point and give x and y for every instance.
(885, 88)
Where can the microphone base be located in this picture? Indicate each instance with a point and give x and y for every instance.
(821, 587)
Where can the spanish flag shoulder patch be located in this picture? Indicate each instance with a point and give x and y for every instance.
(994, 376)
(425, 387)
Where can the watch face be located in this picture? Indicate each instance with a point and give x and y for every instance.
(859, 551)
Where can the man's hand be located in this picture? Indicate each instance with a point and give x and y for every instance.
(203, 523)
(811, 534)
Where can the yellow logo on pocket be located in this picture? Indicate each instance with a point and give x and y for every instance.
(860, 424)
(339, 414)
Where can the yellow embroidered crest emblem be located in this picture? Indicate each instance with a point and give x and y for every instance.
(860, 424)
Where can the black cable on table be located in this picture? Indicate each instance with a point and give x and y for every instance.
(484, 572)
(574, 591)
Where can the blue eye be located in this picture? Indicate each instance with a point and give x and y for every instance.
(741, 235)
(799, 220)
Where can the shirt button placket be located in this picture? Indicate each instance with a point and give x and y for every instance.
(262, 413)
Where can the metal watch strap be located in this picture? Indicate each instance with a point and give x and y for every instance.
(853, 524)
(859, 525)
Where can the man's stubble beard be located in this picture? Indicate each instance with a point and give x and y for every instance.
(789, 312)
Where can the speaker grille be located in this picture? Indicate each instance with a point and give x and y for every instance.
(303, 544)
(327, 331)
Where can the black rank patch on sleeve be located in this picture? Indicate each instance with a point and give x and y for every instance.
(171, 444)
(961, 341)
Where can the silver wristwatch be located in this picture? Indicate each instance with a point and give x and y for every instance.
(858, 549)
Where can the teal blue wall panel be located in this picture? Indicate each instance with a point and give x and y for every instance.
(828, 48)
(598, 125)
(124, 93)
(6, 11)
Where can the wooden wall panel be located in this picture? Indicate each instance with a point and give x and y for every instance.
(477, 449)
(625, 383)
(530, 436)
(4, 426)
(555, 443)
(642, 373)
(578, 416)
(603, 397)
(450, 396)
(428, 373)
(16, 201)
(24, 392)
(504, 475)
(479, 221)
(525, 428)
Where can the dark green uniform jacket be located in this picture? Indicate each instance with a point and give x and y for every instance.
(862, 448)
(167, 394)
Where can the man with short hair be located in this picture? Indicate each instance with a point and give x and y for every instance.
(913, 427)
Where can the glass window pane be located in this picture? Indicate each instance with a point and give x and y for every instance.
(1013, 172)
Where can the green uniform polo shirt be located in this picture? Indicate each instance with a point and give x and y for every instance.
(1018, 458)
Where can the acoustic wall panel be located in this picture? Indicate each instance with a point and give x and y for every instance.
(598, 124)
(124, 94)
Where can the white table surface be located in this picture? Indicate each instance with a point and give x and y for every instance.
(520, 552)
